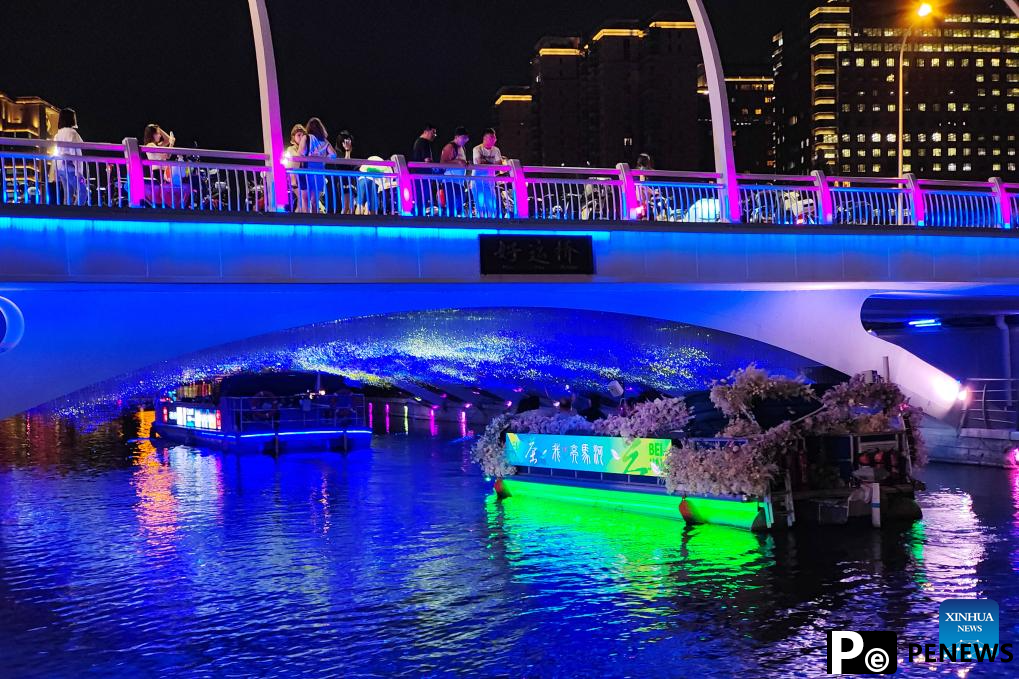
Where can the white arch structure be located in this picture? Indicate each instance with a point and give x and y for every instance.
(272, 124)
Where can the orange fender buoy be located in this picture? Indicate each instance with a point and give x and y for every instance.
(500, 490)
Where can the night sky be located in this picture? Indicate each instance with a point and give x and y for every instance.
(381, 69)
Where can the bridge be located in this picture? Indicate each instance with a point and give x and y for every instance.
(155, 259)
(115, 256)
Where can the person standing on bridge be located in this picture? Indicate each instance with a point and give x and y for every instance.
(70, 176)
(347, 185)
(424, 198)
(486, 193)
(297, 133)
(454, 153)
(310, 185)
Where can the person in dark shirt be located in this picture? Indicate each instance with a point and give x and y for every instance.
(422, 151)
(424, 198)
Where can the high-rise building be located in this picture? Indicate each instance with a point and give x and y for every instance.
(513, 123)
(28, 117)
(836, 68)
(556, 88)
(752, 115)
(631, 88)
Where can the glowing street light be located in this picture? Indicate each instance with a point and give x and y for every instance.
(923, 11)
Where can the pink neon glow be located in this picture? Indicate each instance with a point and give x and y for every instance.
(463, 423)
(387, 418)
(433, 430)
(370, 413)
(1015, 455)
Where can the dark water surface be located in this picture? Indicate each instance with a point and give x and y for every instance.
(121, 560)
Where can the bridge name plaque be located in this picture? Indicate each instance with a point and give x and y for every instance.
(536, 255)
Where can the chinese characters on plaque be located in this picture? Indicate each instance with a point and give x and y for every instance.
(514, 254)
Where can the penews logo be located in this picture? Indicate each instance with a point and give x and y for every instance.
(862, 652)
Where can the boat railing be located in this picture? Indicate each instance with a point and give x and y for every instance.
(302, 412)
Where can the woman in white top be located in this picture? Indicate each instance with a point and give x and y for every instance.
(311, 183)
(72, 185)
(162, 178)
(486, 193)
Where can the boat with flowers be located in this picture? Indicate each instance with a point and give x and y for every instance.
(270, 412)
(786, 455)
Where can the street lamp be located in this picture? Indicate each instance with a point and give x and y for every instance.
(923, 11)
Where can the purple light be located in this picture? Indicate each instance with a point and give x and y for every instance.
(467, 405)
(1015, 454)
(509, 404)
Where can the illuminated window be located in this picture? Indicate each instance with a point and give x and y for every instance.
(861, 138)
(937, 167)
(890, 137)
(967, 167)
(952, 106)
(966, 136)
(876, 153)
(952, 167)
(876, 167)
(891, 108)
(980, 77)
(875, 137)
(936, 136)
(846, 153)
(906, 167)
(996, 167)
(860, 61)
(922, 137)
(906, 153)
(936, 151)
(921, 107)
(952, 151)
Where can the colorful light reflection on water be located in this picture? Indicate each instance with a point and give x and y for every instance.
(121, 559)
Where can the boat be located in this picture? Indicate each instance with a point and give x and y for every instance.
(269, 412)
(866, 476)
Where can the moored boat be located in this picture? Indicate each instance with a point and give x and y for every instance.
(270, 412)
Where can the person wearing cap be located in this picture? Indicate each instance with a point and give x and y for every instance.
(424, 198)
(454, 153)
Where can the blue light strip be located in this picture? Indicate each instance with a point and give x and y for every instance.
(926, 323)
(304, 433)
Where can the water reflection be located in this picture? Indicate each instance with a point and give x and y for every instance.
(122, 559)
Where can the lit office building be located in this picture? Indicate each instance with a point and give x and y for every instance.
(27, 117)
(836, 68)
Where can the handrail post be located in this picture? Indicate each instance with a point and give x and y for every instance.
(631, 202)
(916, 193)
(521, 208)
(135, 173)
(404, 185)
(827, 213)
(1004, 202)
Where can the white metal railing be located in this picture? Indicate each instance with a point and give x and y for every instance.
(39, 172)
(343, 186)
(950, 203)
(43, 172)
(204, 180)
(871, 201)
(680, 196)
(571, 193)
(770, 199)
(455, 191)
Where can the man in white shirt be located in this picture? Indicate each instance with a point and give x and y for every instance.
(486, 192)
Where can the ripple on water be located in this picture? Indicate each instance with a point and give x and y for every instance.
(130, 561)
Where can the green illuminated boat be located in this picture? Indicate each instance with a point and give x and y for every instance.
(862, 476)
(611, 472)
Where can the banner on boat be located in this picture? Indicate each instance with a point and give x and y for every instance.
(639, 457)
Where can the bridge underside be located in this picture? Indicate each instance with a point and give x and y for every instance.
(79, 334)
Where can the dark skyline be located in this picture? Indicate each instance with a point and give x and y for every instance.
(381, 70)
